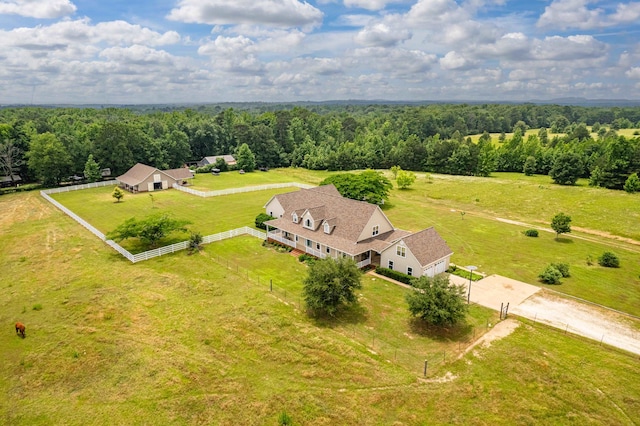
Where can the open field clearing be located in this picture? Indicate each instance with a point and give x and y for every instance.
(190, 340)
(476, 238)
(208, 182)
(495, 137)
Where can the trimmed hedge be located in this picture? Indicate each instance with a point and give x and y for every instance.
(395, 275)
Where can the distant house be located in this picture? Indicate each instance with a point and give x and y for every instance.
(10, 180)
(143, 178)
(229, 159)
(321, 222)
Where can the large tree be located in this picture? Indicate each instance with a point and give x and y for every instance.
(370, 186)
(331, 284)
(437, 301)
(245, 159)
(10, 159)
(92, 170)
(49, 159)
(567, 168)
(149, 230)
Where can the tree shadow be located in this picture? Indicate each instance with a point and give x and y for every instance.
(564, 240)
(457, 332)
(346, 315)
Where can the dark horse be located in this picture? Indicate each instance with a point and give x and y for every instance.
(20, 329)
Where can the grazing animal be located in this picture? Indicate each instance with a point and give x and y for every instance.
(20, 329)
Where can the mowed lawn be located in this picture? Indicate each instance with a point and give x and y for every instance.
(233, 179)
(207, 216)
(200, 340)
(477, 238)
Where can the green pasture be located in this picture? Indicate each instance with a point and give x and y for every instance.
(200, 339)
(207, 215)
(495, 137)
(233, 179)
(476, 238)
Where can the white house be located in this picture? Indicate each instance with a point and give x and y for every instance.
(321, 222)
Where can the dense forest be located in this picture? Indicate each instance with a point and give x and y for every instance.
(49, 145)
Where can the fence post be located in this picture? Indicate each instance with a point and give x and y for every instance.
(271, 286)
(425, 368)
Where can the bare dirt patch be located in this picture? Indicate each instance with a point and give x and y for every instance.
(593, 322)
(498, 331)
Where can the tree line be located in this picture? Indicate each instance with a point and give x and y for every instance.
(51, 144)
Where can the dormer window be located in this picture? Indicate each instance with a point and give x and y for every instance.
(376, 230)
(327, 228)
(295, 218)
(307, 223)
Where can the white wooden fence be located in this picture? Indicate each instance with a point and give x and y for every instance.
(183, 245)
(240, 190)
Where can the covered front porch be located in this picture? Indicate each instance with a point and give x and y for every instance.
(317, 249)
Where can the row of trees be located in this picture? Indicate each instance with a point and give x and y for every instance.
(52, 144)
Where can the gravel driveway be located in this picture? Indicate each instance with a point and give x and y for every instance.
(528, 301)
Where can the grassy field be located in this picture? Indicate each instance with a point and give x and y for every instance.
(476, 238)
(208, 182)
(200, 340)
(629, 133)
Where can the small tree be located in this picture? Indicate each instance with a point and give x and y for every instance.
(195, 242)
(395, 170)
(609, 260)
(118, 194)
(561, 223)
(149, 230)
(436, 301)
(92, 170)
(632, 184)
(331, 284)
(405, 179)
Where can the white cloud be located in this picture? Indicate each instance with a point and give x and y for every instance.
(633, 73)
(455, 61)
(279, 13)
(381, 35)
(369, 4)
(41, 9)
(564, 14)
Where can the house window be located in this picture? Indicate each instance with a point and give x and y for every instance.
(309, 243)
(296, 238)
(376, 230)
(328, 250)
(391, 264)
(307, 223)
(409, 270)
(295, 218)
(327, 229)
(317, 246)
(401, 251)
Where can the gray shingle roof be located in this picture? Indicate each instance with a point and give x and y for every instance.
(427, 246)
(136, 174)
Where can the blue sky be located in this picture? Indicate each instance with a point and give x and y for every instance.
(80, 51)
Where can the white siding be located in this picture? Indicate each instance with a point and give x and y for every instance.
(274, 208)
(377, 218)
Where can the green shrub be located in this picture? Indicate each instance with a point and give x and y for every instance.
(37, 307)
(284, 419)
(307, 258)
(195, 242)
(609, 260)
(395, 275)
(550, 275)
(531, 232)
(261, 219)
(563, 268)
